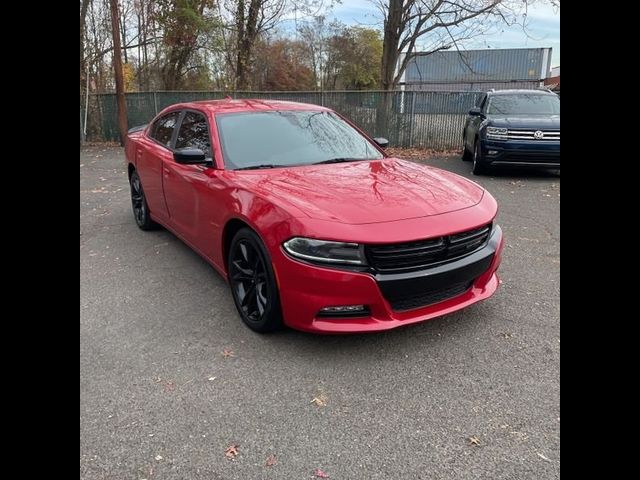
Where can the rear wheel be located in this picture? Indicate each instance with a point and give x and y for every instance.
(466, 155)
(253, 283)
(139, 204)
(479, 168)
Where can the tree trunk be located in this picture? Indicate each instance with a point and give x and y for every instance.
(392, 31)
(123, 33)
(83, 30)
(117, 69)
(247, 33)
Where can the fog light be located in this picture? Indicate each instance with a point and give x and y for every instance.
(492, 152)
(344, 311)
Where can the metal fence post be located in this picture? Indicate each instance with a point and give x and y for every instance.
(155, 102)
(412, 118)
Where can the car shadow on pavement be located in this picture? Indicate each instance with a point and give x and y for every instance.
(520, 172)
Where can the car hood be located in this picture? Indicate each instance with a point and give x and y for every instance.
(365, 191)
(538, 122)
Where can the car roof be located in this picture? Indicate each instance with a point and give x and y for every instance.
(229, 105)
(520, 91)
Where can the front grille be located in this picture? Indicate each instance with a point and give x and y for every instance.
(403, 257)
(422, 299)
(531, 135)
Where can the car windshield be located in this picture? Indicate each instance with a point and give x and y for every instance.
(289, 138)
(524, 104)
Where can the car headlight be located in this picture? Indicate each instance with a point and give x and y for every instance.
(496, 132)
(323, 251)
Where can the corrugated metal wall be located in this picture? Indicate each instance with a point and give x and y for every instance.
(471, 66)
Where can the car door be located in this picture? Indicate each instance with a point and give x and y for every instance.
(153, 151)
(186, 186)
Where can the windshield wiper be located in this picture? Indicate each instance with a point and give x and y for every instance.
(257, 167)
(338, 160)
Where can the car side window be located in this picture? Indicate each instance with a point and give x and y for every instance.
(163, 128)
(194, 133)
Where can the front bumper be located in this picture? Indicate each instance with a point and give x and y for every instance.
(305, 289)
(525, 153)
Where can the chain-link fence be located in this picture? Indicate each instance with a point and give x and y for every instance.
(407, 118)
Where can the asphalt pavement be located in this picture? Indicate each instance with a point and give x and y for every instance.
(170, 378)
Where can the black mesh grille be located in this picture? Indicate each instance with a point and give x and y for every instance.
(402, 257)
(422, 299)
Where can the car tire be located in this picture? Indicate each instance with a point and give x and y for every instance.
(139, 204)
(479, 168)
(253, 283)
(466, 156)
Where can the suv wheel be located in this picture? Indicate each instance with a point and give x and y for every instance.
(466, 155)
(479, 168)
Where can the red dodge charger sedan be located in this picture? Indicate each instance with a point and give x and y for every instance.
(308, 219)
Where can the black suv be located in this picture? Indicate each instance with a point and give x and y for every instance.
(513, 127)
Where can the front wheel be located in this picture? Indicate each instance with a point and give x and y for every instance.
(479, 168)
(253, 283)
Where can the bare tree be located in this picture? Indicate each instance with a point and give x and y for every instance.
(252, 17)
(248, 20)
(117, 71)
(438, 25)
(84, 5)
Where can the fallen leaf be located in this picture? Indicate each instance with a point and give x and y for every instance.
(320, 400)
(231, 452)
(320, 474)
(158, 457)
(474, 441)
(271, 460)
(419, 153)
(169, 386)
(227, 353)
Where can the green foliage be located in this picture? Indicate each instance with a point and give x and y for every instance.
(362, 69)
(354, 58)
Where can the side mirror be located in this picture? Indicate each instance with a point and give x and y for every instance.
(382, 142)
(475, 112)
(189, 156)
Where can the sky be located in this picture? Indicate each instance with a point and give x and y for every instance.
(543, 27)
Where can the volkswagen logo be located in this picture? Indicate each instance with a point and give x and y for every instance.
(538, 135)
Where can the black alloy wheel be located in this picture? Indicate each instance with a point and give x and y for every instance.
(479, 168)
(139, 204)
(253, 284)
(466, 155)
